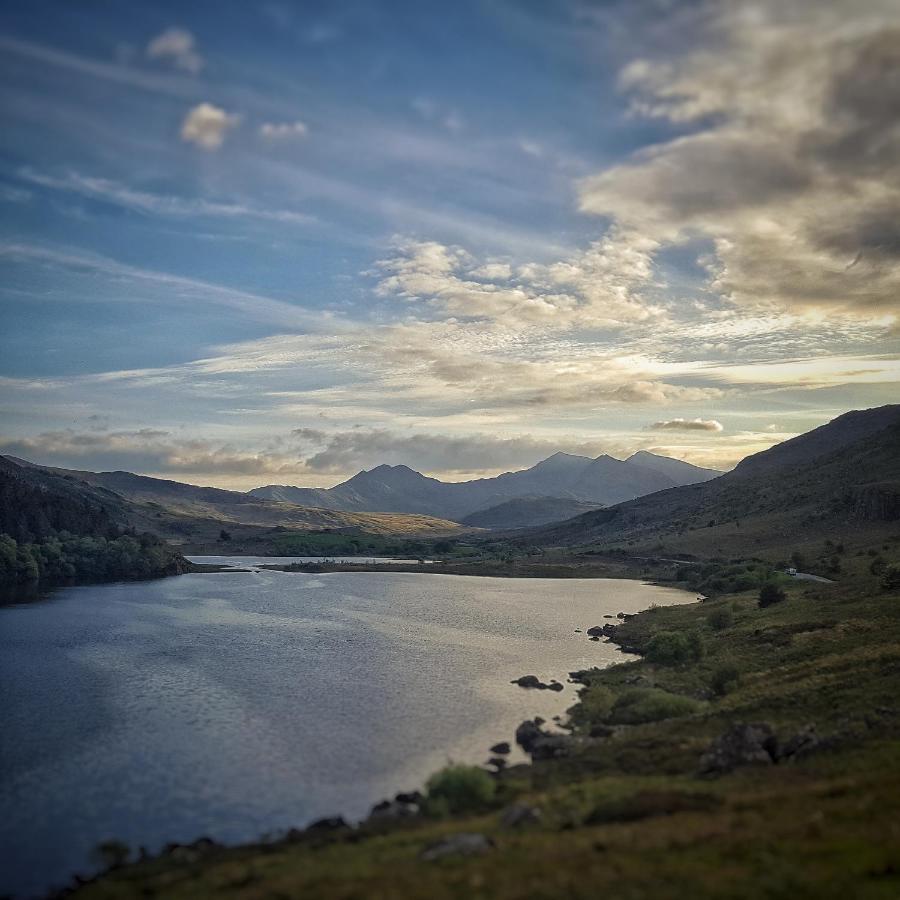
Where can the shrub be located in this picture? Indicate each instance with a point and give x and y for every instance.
(724, 678)
(459, 789)
(673, 648)
(642, 705)
(595, 702)
(771, 593)
(890, 580)
(720, 619)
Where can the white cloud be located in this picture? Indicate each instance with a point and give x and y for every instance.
(206, 126)
(176, 45)
(687, 425)
(277, 131)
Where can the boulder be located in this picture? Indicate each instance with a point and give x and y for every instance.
(595, 630)
(498, 762)
(391, 810)
(520, 814)
(540, 744)
(502, 748)
(805, 741)
(332, 823)
(741, 745)
(462, 844)
(527, 733)
(555, 685)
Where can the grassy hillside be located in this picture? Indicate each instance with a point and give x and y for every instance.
(627, 807)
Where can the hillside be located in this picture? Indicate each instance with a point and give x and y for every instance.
(841, 478)
(563, 476)
(527, 512)
(186, 512)
(55, 527)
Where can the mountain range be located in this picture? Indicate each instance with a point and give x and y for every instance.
(834, 482)
(38, 500)
(574, 482)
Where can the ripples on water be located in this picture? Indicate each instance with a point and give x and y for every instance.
(237, 704)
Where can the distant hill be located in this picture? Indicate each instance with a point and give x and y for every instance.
(601, 481)
(55, 527)
(527, 512)
(35, 504)
(186, 511)
(836, 480)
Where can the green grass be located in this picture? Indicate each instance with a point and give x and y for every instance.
(629, 815)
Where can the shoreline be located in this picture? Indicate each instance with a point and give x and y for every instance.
(558, 727)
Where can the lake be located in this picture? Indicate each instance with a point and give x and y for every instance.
(237, 704)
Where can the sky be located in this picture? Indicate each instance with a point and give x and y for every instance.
(275, 242)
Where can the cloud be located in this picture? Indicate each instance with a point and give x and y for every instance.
(277, 131)
(158, 204)
(687, 425)
(176, 45)
(206, 126)
(610, 283)
(790, 167)
(145, 450)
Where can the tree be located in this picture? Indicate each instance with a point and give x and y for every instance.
(224, 535)
(770, 594)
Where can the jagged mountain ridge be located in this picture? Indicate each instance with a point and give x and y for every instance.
(601, 481)
(840, 477)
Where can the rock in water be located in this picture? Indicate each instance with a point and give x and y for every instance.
(502, 748)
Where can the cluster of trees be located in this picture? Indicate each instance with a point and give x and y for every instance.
(714, 579)
(64, 557)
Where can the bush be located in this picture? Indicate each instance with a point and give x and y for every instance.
(724, 678)
(459, 789)
(890, 580)
(720, 619)
(642, 705)
(595, 703)
(673, 648)
(770, 594)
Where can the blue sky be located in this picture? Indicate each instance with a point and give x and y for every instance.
(244, 243)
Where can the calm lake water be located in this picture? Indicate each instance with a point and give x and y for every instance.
(237, 704)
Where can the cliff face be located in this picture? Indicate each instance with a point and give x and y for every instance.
(877, 502)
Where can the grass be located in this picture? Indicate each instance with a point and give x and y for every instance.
(629, 814)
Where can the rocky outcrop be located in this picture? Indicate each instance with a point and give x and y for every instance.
(540, 744)
(741, 745)
(877, 502)
(747, 745)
